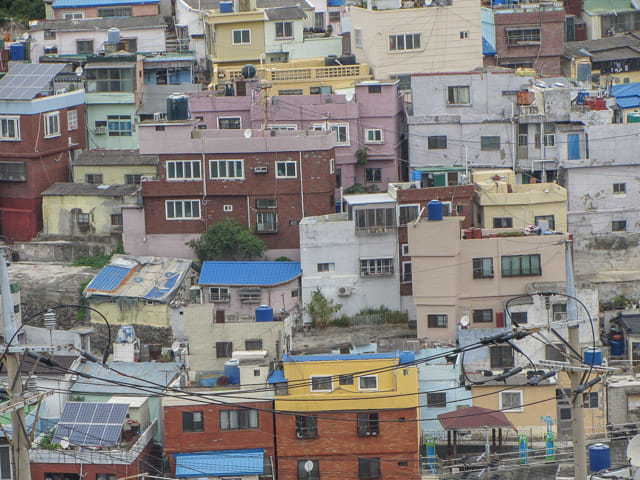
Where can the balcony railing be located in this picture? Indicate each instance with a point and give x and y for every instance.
(306, 73)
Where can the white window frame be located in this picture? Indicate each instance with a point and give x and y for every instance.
(284, 35)
(367, 389)
(382, 267)
(318, 127)
(4, 128)
(192, 163)
(227, 162)
(260, 216)
(174, 202)
(337, 127)
(357, 37)
(47, 118)
(405, 250)
(283, 127)
(407, 206)
(516, 409)
(229, 118)
(222, 294)
(377, 132)
(332, 166)
(457, 94)
(330, 377)
(404, 41)
(72, 119)
(403, 273)
(72, 15)
(233, 35)
(330, 267)
(287, 162)
(227, 208)
(621, 192)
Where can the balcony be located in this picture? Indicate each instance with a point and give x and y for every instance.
(302, 74)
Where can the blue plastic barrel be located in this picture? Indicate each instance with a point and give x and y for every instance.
(599, 457)
(226, 7)
(434, 210)
(232, 371)
(264, 313)
(617, 347)
(593, 356)
(416, 176)
(16, 51)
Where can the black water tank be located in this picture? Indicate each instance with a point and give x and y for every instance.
(330, 60)
(248, 71)
(348, 59)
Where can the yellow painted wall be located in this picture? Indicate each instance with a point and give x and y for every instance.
(112, 175)
(156, 315)
(223, 25)
(391, 382)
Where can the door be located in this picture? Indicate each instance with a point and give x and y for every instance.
(219, 316)
(573, 141)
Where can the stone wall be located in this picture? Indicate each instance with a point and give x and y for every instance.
(65, 249)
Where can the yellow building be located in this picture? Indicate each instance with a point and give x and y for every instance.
(114, 167)
(236, 36)
(501, 203)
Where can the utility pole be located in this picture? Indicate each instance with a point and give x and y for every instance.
(265, 96)
(577, 407)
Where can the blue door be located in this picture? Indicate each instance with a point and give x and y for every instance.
(574, 146)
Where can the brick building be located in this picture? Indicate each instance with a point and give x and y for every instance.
(40, 132)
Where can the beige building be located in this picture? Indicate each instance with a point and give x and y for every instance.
(114, 167)
(501, 203)
(429, 39)
(455, 277)
(236, 36)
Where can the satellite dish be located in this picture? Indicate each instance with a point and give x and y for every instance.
(175, 346)
(464, 321)
(248, 71)
(64, 442)
(247, 133)
(633, 451)
(308, 466)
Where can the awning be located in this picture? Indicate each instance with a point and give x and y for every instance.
(474, 417)
(277, 377)
(223, 463)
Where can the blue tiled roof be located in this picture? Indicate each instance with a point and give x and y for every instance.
(109, 278)
(221, 463)
(257, 274)
(98, 3)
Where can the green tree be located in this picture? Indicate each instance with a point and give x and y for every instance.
(227, 240)
(321, 309)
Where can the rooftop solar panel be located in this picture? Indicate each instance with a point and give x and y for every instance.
(25, 80)
(91, 423)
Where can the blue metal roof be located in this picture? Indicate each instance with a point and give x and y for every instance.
(98, 3)
(259, 274)
(627, 95)
(220, 464)
(329, 358)
(487, 47)
(277, 377)
(628, 102)
(109, 278)
(100, 383)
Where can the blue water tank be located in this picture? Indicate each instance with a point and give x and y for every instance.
(126, 334)
(407, 357)
(264, 313)
(416, 176)
(226, 7)
(232, 371)
(581, 96)
(16, 51)
(177, 106)
(617, 347)
(434, 210)
(593, 356)
(599, 457)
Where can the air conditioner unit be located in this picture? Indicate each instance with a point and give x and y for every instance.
(559, 316)
(367, 434)
(100, 130)
(157, 116)
(146, 178)
(344, 291)
(260, 169)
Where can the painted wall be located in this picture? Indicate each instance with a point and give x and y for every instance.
(92, 12)
(222, 48)
(155, 314)
(112, 175)
(192, 18)
(101, 105)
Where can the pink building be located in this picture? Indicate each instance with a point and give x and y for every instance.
(368, 125)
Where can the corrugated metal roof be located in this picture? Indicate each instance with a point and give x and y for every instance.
(259, 274)
(87, 24)
(99, 3)
(628, 102)
(277, 377)
(115, 157)
(366, 198)
(139, 373)
(221, 463)
(285, 13)
(474, 417)
(329, 358)
(109, 278)
(89, 190)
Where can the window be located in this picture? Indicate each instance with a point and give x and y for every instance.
(345, 379)
(334, 16)
(73, 15)
(502, 222)
(241, 37)
(458, 95)
(306, 426)
(238, 419)
(51, 124)
(84, 47)
(591, 400)
(464, 34)
(253, 344)
(291, 91)
(437, 321)
(555, 352)
(406, 272)
(250, 295)
(9, 128)
(619, 226)
(116, 219)
(436, 399)
(267, 222)
(262, 203)
(483, 316)
(523, 36)
(192, 422)
(501, 356)
(284, 30)
(357, 35)
(368, 468)
(82, 218)
(404, 42)
(229, 123)
(119, 126)
(226, 169)
(224, 349)
(619, 188)
(131, 44)
(219, 294)
(105, 476)
(483, 267)
(405, 249)
(373, 175)
(332, 166)
(182, 209)
(286, 169)
(374, 89)
(523, 135)
(72, 120)
(183, 170)
(325, 267)
(511, 401)
(437, 142)
(368, 424)
(373, 135)
(549, 134)
(376, 266)
(110, 79)
(489, 143)
(115, 12)
(519, 317)
(133, 179)
(550, 219)
(368, 382)
(375, 218)
(322, 383)
(521, 265)
(93, 178)
(306, 473)
(342, 133)
(285, 128)
(13, 172)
